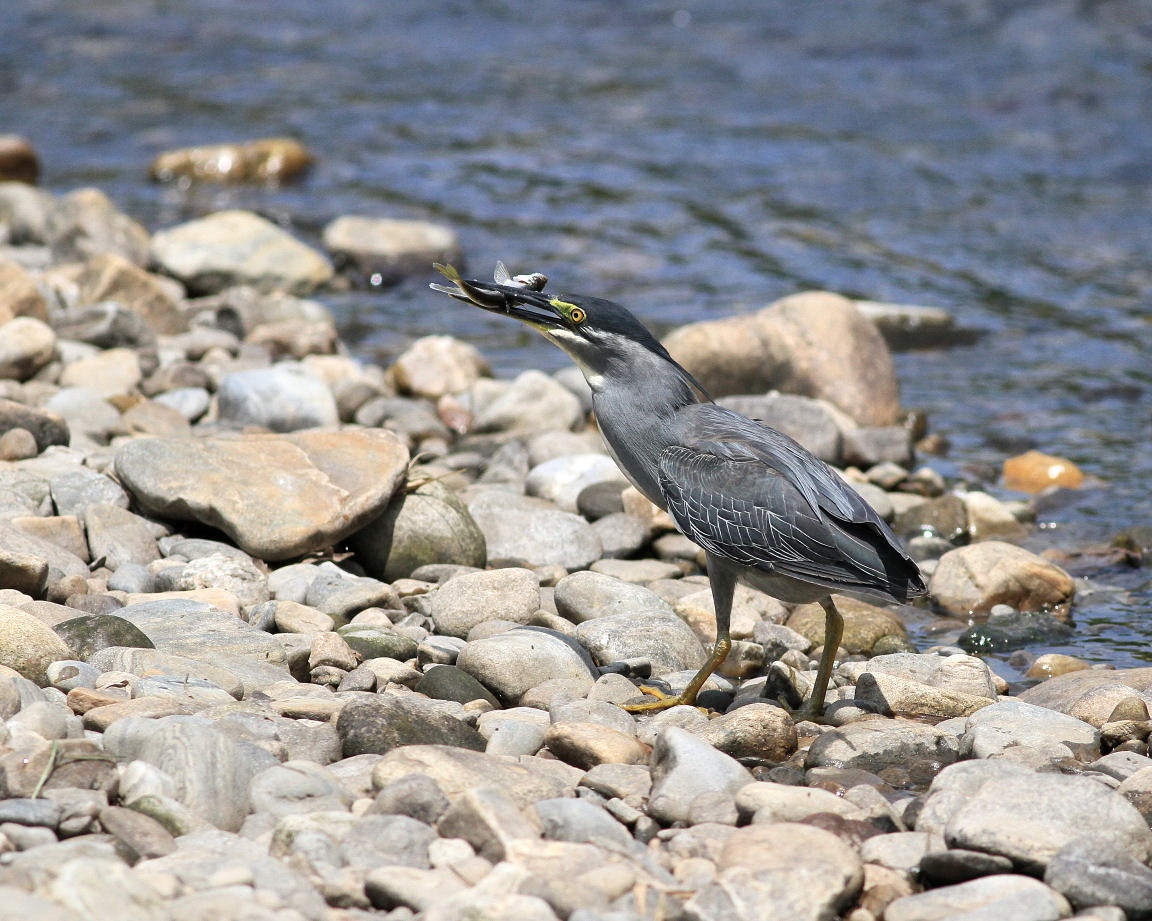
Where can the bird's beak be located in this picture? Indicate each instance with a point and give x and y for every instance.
(524, 304)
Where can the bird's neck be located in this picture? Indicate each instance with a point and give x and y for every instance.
(636, 414)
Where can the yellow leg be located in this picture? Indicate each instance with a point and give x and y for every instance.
(833, 633)
(723, 581)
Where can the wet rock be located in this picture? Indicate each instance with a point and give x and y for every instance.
(381, 724)
(270, 161)
(29, 646)
(1051, 664)
(385, 250)
(970, 580)
(1035, 472)
(991, 519)
(685, 767)
(26, 346)
(945, 518)
(665, 640)
(18, 160)
(470, 599)
(456, 770)
(1006, 895)
(281, 399)
(231, 248)
(512, 663)
(875, 745)
(1009, 629)
(302, 491)
(519, 528)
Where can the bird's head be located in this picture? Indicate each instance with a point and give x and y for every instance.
(595, 333)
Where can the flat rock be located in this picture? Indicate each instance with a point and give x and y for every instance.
(456, 770)
(277, 496)
(197, 630)
(379, 724)
(1029, 818)
(1097, 871)
(232, 248)
(1015, 724)
(384, 250)
(1020, 898)
(874, 745)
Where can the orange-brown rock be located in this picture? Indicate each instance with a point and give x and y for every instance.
(1034, 471)
(18, 160)
(268, 160)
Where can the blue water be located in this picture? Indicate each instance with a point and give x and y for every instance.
(692, 160)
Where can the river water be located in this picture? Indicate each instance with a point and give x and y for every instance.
(693, 160)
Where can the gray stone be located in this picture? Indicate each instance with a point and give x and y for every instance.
(578, 820)
(561, 479)
(297, 787)
(755, 730)
(73, 492)
(780, 871)
(515, 731)
(957, 865)
(411, 887)
(104, 890)
(488, 820)
(117, 536)
(586, 595)
(1014, 724)
(685, 767)
(456, 770)
(1029, 818)
(285, 398)
(195, 629)
(1097, 871)
(210, 773)
(472, 598)
(422, 526)
(414, 795)
(663, 639)
(514, 662)
(533, 402)
(621, 535)
(28, 645)
(448, 682)
(521, 528)
(232, 248)
(817, 425)
(246, 581)
(993, 898)
(874, 745)
(380, 724)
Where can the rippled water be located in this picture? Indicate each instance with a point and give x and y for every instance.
(693, 160)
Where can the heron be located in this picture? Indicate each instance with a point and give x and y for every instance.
(765, 510)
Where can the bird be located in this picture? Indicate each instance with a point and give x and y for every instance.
(765, 510)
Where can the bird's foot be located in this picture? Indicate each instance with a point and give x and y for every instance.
(662, 702)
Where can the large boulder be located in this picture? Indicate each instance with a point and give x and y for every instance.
(277, 496)
(814, 344)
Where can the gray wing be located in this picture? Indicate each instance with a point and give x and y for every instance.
(750, 494)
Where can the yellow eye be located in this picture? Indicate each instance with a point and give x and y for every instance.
(576, 315)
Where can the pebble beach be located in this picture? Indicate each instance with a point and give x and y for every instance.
(285, 634)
